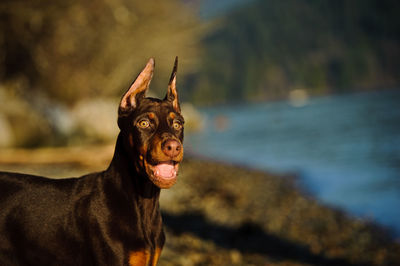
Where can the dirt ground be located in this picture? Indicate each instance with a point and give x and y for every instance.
(219, 214)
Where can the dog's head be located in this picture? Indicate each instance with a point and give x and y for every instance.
(152, 129)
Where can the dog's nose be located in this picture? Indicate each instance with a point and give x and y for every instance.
(171, 148)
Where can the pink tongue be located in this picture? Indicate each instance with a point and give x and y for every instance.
(165, 170)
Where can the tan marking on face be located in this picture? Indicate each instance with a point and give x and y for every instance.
(172, 115)
(152, 115)
(143, 150)
(156, 152)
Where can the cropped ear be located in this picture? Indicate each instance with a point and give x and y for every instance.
(172, 93)
(138, 88)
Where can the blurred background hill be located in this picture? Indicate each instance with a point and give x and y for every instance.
(264, 49)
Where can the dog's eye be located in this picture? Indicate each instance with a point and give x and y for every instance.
(143, 123)
(177, 125)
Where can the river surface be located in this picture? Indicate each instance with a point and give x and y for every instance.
(345, 149)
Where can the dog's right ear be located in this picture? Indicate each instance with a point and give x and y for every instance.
(172, 93)
(138, 88)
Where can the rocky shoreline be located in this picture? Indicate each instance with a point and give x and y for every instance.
(220, 214)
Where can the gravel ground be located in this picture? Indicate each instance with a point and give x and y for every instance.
(219, 214)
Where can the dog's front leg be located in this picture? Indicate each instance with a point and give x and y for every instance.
(144, 257)
(139, 258)
(156, 256)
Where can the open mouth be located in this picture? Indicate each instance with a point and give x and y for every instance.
(163, 174)
(165, 170)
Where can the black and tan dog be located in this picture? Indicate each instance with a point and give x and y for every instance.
(106, 218)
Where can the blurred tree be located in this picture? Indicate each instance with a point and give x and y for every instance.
(73, 49)
(264, 50)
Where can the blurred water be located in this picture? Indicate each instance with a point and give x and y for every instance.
(346, 148)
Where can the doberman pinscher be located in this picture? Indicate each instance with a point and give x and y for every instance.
(106, 218)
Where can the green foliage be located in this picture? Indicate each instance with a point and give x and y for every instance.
(70, 49)
(271, 47)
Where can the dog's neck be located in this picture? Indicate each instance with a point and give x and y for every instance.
(128, 178)
(135, 188)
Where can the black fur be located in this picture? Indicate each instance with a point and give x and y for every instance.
(97, 219)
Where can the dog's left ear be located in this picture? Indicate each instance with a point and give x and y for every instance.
(138, 88)
(172, 93)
